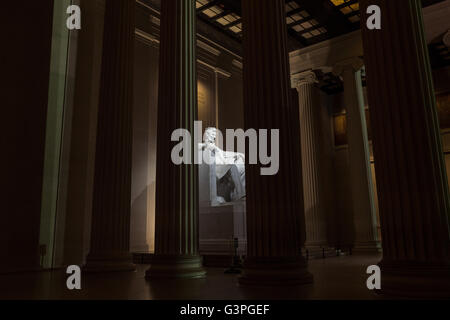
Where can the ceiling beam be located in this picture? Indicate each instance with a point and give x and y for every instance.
(232, 24)
(345, 4)
(209, 5)
(328, 16)
(310, 29)
(290, 25)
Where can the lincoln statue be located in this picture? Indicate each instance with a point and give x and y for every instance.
(229, 167)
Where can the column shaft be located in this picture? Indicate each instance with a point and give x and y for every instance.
(24, 95)
(110, 234)
(274, 214)
(315, 215)
(176, 217)
(364, 215)
(411, 177)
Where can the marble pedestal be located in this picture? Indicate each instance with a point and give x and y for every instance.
(219, 225)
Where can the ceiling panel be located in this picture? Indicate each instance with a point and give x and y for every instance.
(308, 21)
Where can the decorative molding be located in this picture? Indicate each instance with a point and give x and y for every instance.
(302, 78)
(148, 7)
(326, 54)
(142, 35)
(222, 73)
(155, 20)
(216, 70)
(219, 46)
(208, 44)
(238, 64)
(151, 39)
(208, 48)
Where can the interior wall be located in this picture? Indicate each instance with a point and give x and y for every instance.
(343, 209)
(144, 145)
(206, 91)
(231, 100)
(328, 172)
(343, 198)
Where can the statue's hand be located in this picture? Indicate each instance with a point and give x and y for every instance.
(201, 146)
(240, 156)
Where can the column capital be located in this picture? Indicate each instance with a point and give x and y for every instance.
(305, 77)
(354, 63)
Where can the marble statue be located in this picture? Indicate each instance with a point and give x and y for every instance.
(229, 169)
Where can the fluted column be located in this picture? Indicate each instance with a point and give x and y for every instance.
(25, 98)
(409, 163)
(364, 214)
(309, 105)
(274, 219)
(176, 220)
(110, 234)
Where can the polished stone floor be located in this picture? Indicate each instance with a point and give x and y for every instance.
(338, 278)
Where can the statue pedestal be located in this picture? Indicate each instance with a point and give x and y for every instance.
(219, 225)
(220, 222)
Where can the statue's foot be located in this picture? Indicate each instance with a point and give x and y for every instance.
(219, 201)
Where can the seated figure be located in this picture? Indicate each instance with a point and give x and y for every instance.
(229, 167)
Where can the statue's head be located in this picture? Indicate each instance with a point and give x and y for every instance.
(210, 135)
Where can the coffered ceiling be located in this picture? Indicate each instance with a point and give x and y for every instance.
(308, 21)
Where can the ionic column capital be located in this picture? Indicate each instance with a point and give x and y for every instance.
(303, 78)
(354, 63)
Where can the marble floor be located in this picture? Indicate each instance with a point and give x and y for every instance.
(338, 278)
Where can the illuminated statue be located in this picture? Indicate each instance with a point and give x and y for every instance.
(229, 169)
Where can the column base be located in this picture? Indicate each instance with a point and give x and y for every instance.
(371, 247)
(97, 263)
(275, 272)
(415, 280)
(176, 267)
